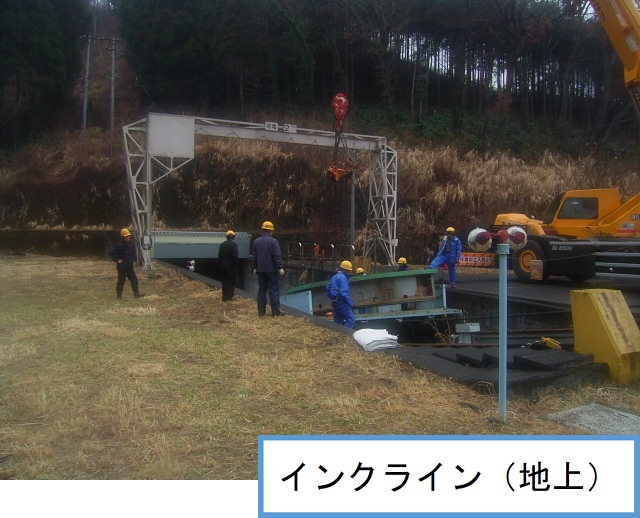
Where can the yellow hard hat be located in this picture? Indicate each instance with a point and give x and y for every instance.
(125, 232)
(267, 225)
(402, 260)
(451, 229)
(231, 233)
(360, 270)
(346, 265)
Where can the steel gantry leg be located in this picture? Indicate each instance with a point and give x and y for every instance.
(382, 212)
(143, 171)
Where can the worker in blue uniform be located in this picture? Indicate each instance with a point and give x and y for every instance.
(339, 293)
(448, 253)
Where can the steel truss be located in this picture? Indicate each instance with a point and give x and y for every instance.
(144, 170)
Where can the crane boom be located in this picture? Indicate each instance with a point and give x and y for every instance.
(621, 21)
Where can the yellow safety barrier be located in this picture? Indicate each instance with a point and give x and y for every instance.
(604, 326)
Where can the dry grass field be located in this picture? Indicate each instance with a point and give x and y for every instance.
(178, 385)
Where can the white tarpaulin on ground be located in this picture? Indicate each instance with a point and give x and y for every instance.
(374, 339)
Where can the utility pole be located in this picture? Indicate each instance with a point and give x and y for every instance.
(86, 86)
(113, 93)
(352, 226)
(113, 83)
(86, 76)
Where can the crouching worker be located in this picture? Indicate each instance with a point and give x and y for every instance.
(339, 293)
(124, 255)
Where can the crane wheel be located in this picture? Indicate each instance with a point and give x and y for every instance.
(532, 251)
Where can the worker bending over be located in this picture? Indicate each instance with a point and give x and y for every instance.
(339, 293)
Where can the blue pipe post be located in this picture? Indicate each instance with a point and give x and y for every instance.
(503, 254)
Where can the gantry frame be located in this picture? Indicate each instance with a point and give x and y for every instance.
(148, 162)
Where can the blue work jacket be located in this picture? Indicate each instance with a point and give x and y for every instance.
(338, 289)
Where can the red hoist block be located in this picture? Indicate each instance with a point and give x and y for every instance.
(340, 106)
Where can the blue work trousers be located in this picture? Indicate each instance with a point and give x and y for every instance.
(268, 282)
(343, 314)
(449, 261)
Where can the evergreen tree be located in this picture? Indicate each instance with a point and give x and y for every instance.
(39, 44)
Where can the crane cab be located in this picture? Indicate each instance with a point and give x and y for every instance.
(575, 214)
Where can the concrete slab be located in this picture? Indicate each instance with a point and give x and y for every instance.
(600, 419)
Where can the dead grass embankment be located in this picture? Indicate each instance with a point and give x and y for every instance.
(75, 180)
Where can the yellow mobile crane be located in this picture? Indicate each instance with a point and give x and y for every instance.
(621, 21)
(590, 232)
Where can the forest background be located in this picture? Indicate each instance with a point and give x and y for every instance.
(493, 106)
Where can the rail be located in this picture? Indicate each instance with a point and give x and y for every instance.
(319, 255)
(617, 264)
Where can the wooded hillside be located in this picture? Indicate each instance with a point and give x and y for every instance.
(438, 67)
(493, 105)
(507, 74)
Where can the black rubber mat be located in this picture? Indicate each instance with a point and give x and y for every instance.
(551, 359)
(480, 365)
(473, 356)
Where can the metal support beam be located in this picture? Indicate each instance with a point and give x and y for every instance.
(284, 133)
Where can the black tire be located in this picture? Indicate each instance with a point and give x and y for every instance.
(532, 251)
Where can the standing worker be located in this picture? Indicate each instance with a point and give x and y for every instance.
(124, 255)
(267, 265)
(228, 256)
(402, 264)
(448, 254)
(316, 255)
(340, 295)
